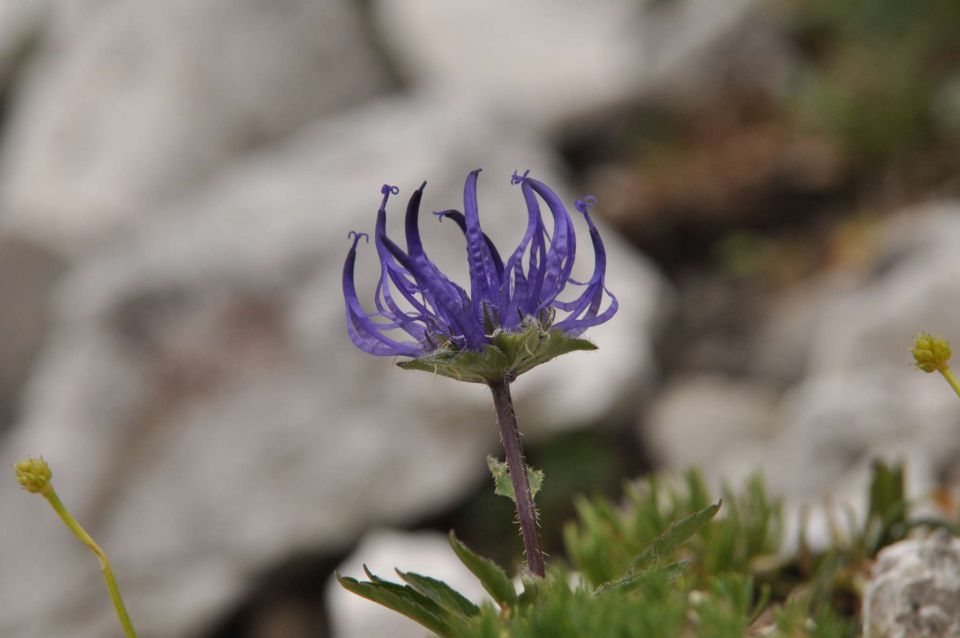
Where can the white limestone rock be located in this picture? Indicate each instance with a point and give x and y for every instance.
(915, 590)
(131, 102)
(697, 419)
(546, 61)
(911, 287)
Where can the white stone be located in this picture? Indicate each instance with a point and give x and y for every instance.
(131, 102)
(912, 288)
(697, 419)
(856, 396)
(546, 61)
(915, 590)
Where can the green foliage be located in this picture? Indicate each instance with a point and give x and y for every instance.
(666, 563)
(605, 540)
(503, 485)
(654, 559)
(887, 514)
(402, 599)
(439, 592)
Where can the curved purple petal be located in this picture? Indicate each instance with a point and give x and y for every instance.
(563, 245)
(516, 294)
(484, 283)
(585, 308)
(437, 286)
(364, 332)
(458, 218)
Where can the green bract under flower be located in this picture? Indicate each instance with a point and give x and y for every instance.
(507, 356)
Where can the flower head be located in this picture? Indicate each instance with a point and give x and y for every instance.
(33, 474)
(931, 353)
(513, 317)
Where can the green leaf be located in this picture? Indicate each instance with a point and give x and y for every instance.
(888, 508)
(503, 484)
(491, 576)
(441, 593)
(668, 540)
(402, 599)
(630, 582)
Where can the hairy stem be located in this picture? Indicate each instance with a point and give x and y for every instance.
(526, 511)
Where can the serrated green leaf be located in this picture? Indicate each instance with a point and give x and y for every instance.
(440, 593)
(490, 575)
(503, 484)
(403, 600)
(668, 540)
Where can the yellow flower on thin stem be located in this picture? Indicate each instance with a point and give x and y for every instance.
(931, 354)
(34, 475)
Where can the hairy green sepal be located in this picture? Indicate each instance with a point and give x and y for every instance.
(509, 355)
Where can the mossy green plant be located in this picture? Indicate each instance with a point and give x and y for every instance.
(668, 562)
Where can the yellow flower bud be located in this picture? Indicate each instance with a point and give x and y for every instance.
(33, 474)
(930, 352)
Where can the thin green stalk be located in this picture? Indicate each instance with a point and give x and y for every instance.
(951, 379)
(51, 495)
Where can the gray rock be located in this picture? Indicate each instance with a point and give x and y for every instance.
(27, 274)
(910, 287)
(697, 419)
(915, 590)
(544, 62)
(843, 341)
(833, 425)
(861, 394)
(131, 102)
(382, 551)
(780, 351)
(206, 414)
(865, 318)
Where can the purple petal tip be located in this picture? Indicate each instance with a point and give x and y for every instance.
(583, 204)
(356, 236)
(518, 179)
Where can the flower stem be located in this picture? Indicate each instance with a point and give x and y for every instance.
(526, 510)
(85, 538)
(951, 378)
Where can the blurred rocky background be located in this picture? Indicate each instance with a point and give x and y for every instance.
(778, 184)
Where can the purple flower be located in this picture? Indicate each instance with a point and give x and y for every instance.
(421, 313)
